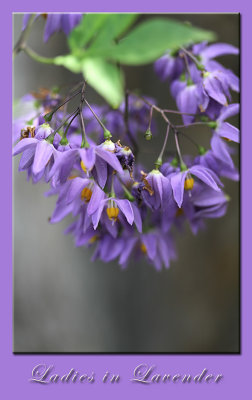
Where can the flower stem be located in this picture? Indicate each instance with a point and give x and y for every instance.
(31, 53)
(21, 41)
(84, 142)
(65, 120)
(192, 124)
(160, 158)
(96, 116)
(178, 148)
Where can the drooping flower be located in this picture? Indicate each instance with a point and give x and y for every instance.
(37, 151)
(156, 190)
(184, 180)
(169, 67)
(225, 129)
(56, 23)
(94, 158)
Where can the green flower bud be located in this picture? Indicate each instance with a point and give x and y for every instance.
(204, 118)
(174, 162)
(201, 67)
(183, 167)
(158, 163)
(107, 134)
(212, 124)
(202, 150)
(148, 134)
(64, 141)
(48, 116)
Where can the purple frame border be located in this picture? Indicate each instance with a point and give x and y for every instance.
(16, 369)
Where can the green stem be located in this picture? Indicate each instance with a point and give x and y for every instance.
(21, 41)
(31, 53)
(160, 158)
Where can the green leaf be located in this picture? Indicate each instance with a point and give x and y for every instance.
(151, 39)
(114, 26)
(105, 78)
(84, 32)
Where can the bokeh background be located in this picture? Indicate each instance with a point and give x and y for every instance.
(65, 303)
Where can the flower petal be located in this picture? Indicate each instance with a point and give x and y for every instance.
(75, 188)
(88, 157)
(126, 209)
(150, 242)
(177, 184)
(23, 145)
(110, 158)
(218, 49)
(137, 217)
(228, 131)
(97, 214)
(205, 175)
(97, 196)
(42, 155)
(229, 111)
(220, 150)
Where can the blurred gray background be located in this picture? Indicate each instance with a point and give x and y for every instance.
(65, 303)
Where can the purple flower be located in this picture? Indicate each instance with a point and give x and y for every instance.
(56, 23)
(184, 181)
(224, 129)
(156, 190)
(219, 159)
(207, 53)
(191, 99)
(169, 67)
(125, 156)
(95, 159)
(112, 210)
(209, 203)
(37, 152)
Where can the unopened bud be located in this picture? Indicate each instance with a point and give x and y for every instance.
(64, 141)
(158, 163)
(202, 150)
(174, 162)
(183, 167)
(212, 124)
(148, 134)
(107, 134)
(48, 116)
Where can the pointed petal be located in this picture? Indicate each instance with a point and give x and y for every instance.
(137, 217)
(42, 155)
(214, 89)
(187, 102)
(23, 145)
(60, 212)
(126, 209)
(229, 111)
(127, 249)
(97, 214)
(88, 157)
(205, 175)
(52, 25)
(164, 251)
(150, 242)
(26, 159)
(75, 188)
(101, 169)
(177, 184)
(97, 196)
(218, 49)
(220, 150)
(110, 158)
(228, 131)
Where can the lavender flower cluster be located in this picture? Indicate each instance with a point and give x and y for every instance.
(118, 208)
